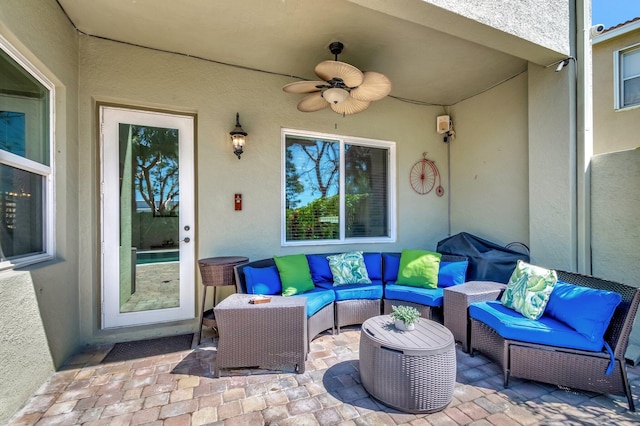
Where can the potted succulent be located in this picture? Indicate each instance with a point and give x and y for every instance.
(405, 317)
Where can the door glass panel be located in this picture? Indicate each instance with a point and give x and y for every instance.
(149, 218)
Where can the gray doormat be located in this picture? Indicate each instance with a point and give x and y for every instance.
(152, 347)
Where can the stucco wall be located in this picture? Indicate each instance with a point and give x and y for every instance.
(536, 31)
(615, 202)
(125, 74)
(489, 164)
(543, 23)
(612, 130)
(615, 232)
(552, 168)
(39, 305)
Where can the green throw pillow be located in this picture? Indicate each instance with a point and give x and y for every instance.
(419, 268)
(348, 268)
(294, 274)
(529, 289)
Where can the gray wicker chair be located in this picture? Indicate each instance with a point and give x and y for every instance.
(562, 366)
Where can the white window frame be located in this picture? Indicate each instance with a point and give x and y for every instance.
(343, 140)
(618, 86)
(9, 159)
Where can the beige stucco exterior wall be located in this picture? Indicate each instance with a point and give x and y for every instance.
(532, 30)
(552, 168)
(542, 23)
(39, 306)
(489, 163)
(215, 93)
(615, 200)
(613, 130)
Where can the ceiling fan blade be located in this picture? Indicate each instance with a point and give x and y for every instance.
(312, 102)
(350, 106)
(351, 75)
(303, 86)
(374, 87)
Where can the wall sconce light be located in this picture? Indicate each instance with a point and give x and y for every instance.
(238, 137)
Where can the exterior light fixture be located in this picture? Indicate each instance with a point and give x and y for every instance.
(335, 95)
(238, 137)
(561, 63)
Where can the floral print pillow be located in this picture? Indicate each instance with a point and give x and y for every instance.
(348, 268)
(529, 289)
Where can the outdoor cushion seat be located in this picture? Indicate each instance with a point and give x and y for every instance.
(316, 299)
(546, 330)
(371, 291)
(579, 342)
(422, 296)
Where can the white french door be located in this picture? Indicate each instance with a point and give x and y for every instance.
(147, 217)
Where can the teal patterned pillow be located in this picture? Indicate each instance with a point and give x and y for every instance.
(348, 268)
(529, 289)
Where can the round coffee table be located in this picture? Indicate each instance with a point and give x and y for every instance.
(412, 371)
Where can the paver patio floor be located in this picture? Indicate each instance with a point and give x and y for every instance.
(179, 389)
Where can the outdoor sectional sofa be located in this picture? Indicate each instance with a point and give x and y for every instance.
(579, 341)
(331, 307)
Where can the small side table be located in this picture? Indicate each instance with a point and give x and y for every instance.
(266, 335)
(456, 303)
(215, 271)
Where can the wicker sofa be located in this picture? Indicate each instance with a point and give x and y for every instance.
(601, 370)
(330, 307)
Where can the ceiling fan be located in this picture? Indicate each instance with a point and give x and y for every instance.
(344, 88)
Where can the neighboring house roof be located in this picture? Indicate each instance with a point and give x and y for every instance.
(617, 30)
(621, 25)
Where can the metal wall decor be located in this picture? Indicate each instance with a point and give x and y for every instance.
(423, 177)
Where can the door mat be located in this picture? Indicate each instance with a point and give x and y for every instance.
(152, 347)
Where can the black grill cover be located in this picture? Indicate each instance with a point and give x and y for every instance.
(487, 261)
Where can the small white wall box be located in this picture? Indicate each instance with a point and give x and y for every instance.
(443, 124)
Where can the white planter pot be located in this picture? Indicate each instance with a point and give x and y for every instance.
(400, 325)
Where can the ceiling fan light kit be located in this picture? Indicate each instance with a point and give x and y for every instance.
(335, 95)
(345, 89)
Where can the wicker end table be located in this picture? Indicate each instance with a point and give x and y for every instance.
(412, 371)
(456, 303)
(267, 335)
(215, 271)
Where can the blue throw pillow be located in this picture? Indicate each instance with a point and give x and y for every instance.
(587, 310)
(373, 261)
(319, 268)
(391, 263)
(262, 280)
(452, 273)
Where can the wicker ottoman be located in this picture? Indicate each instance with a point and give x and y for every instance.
(411, 371)
(456, 303)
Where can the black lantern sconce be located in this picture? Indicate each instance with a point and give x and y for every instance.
(238, 137)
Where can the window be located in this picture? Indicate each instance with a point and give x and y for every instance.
(337, 189)
(627, 63)
(25, 161)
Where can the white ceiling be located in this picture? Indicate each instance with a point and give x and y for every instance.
(291, 36)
